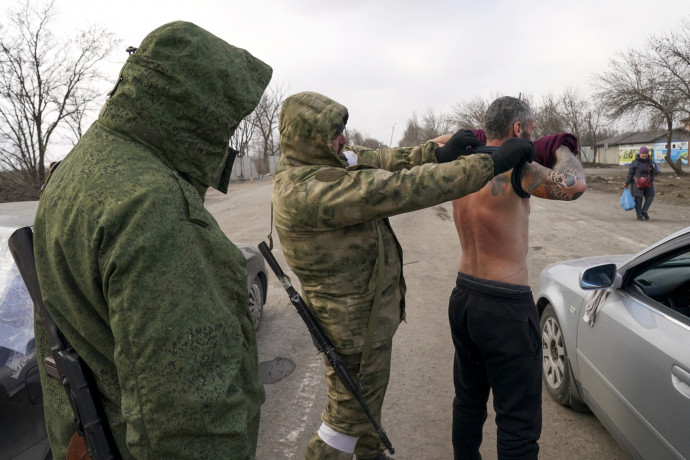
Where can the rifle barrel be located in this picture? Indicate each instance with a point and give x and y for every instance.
(321, 341)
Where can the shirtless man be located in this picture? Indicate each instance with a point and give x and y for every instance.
(493, 318)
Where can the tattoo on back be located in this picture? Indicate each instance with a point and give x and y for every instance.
(499, 185)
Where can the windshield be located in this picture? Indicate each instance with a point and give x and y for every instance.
(16, 311)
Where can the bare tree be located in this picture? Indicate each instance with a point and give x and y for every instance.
(470, 114)
(355, 137)
(671, 54)
(265, 119)
(634, 85)
(547, 117)
(434, 125)
(45, 85)
(573, 109)
(241, 140)
(373, 143)
(595, 127)
(413, 133)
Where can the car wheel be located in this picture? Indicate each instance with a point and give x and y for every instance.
(555, 366)
(256, 302)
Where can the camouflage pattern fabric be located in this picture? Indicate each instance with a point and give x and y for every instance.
(343, 412)
(328, 216)
(137, 274)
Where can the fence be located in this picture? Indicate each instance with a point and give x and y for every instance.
(244, 169)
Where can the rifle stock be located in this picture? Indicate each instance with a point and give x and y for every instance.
(322, 343)
(65, 363)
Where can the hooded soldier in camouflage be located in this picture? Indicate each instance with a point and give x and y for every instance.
(134, 270)
(331, 219)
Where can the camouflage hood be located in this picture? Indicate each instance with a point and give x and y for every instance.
(182, 94)
(308, 124)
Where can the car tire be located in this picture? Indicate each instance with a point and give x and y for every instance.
(555, 366)
(256, 302)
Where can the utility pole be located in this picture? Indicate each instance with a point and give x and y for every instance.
(390, 144)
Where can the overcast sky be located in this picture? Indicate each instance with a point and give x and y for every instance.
(386, 59)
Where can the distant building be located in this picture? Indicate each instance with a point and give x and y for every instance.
(621, 149)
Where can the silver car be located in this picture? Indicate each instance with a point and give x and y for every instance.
(257, 282)
(616, 340)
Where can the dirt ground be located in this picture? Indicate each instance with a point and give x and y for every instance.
(669, 188)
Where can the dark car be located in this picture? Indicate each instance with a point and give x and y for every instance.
(616, 339)
(22, 424)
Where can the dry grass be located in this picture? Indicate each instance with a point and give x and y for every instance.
(668, 187)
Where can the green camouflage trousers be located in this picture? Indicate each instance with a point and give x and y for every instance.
(343, 412)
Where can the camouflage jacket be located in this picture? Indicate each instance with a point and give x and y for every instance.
(329, 216)
(134, 270)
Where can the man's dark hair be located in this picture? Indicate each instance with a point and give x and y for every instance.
(503, 113)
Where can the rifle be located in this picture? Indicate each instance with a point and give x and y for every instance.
(64, 362)
(322, 343)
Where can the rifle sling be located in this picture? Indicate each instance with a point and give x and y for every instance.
(27, 268)
(374, 314)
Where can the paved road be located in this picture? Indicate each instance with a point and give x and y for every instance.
(417, 411)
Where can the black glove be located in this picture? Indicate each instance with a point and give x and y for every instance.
(460, 144)
(511, 152)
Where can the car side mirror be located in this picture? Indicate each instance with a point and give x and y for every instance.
(599, 277)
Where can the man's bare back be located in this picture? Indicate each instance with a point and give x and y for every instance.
(493, 228)
(493, 223)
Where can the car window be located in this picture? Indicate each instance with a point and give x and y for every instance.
(16, 311)
(667, 282)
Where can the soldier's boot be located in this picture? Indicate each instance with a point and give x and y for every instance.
(319, 450)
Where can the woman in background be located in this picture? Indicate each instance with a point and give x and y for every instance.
(641, 175)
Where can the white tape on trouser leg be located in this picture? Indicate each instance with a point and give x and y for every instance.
(336, 439)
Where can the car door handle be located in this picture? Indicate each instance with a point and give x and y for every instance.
(681, 380)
